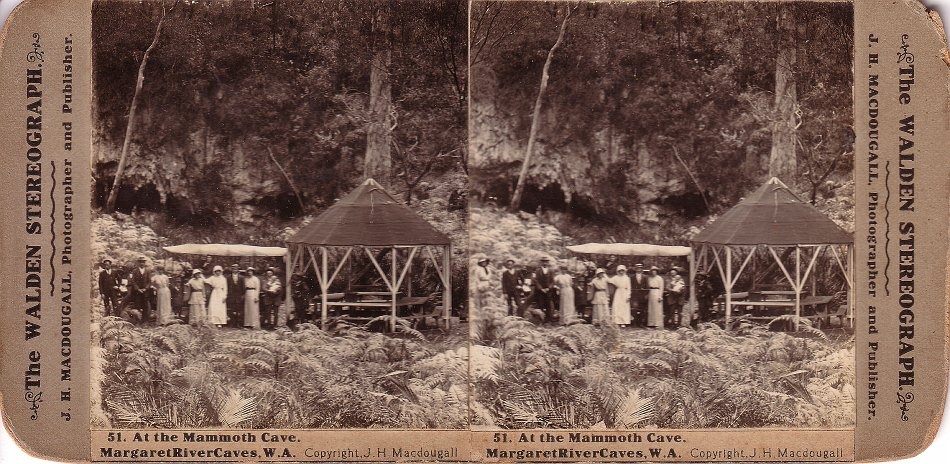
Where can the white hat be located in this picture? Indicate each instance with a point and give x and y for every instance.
(218, 268)
(621, 268)
(600, 270)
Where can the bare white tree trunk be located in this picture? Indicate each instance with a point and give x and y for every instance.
(783, 162)
(536, 116)
(377, 163)
(130, 126)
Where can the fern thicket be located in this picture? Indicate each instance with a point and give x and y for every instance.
(584, 376)
(184, 377)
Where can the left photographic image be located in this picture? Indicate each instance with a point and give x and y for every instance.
(279, 214)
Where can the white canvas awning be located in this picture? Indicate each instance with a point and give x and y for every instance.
(223, 249)
(630, 249)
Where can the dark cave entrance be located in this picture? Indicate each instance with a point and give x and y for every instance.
(130, 198)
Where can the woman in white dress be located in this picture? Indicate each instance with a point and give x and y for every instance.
(655, 299)
(600, 299)
(217, 302)
(252, 300)
(565, 286)
(163, 297)
(621, 303)
(197, 313)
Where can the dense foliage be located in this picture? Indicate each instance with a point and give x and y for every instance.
(229, 81)
(182, 377)
(582, 376)
(526, 375)
(642, 94)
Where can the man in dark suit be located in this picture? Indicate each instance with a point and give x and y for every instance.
(300, 293)
(543, 285)
(235, 297)
(109, 288)
(141, 284)
(511, 282)
(639, 290)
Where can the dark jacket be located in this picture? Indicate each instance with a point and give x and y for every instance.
(235, 290)
(640, 289)
(511, 281)
(542, 280)
(141, 279)
(108, 282)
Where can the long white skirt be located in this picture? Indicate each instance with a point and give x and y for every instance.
(218, 307)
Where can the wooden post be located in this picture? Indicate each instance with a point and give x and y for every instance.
(692, 289)
(798, 284)
(326, 288)
(728, 284)
(288, 272)
(394, 289)
(447, 291)
(849, 278)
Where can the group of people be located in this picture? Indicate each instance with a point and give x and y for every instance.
(207, 295)
(643, 298)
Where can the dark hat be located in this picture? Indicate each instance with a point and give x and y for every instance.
(142, 258)
(107, 261)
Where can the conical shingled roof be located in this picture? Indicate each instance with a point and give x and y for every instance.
(773, 215)
(369, 216)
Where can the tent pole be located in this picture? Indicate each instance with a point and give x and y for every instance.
(692, 288)
(288, 272)
(447, 291)
(395, 290)
(849, 278)
(728, 284)
(798, 285)
(326, 288)
(814, 272)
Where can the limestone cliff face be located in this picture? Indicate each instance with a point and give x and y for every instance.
(608, 173)
(196, 176)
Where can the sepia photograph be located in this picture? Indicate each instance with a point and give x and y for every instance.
(661, 215)
(279, 214)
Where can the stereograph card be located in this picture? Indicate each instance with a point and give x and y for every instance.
(474, 231)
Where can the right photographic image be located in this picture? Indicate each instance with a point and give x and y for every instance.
(661, 215)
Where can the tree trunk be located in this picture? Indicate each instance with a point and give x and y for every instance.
(536, 116)
(290, 181)
(129, 128)
(783, 162)
(378, 161)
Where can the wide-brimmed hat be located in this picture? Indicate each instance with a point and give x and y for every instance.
(250, 269)
(218, 268)
(196, 271)
(235, 265)
(142, 258)
(621, 268)
(638, 265)
(107, 261)
(600, 270)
